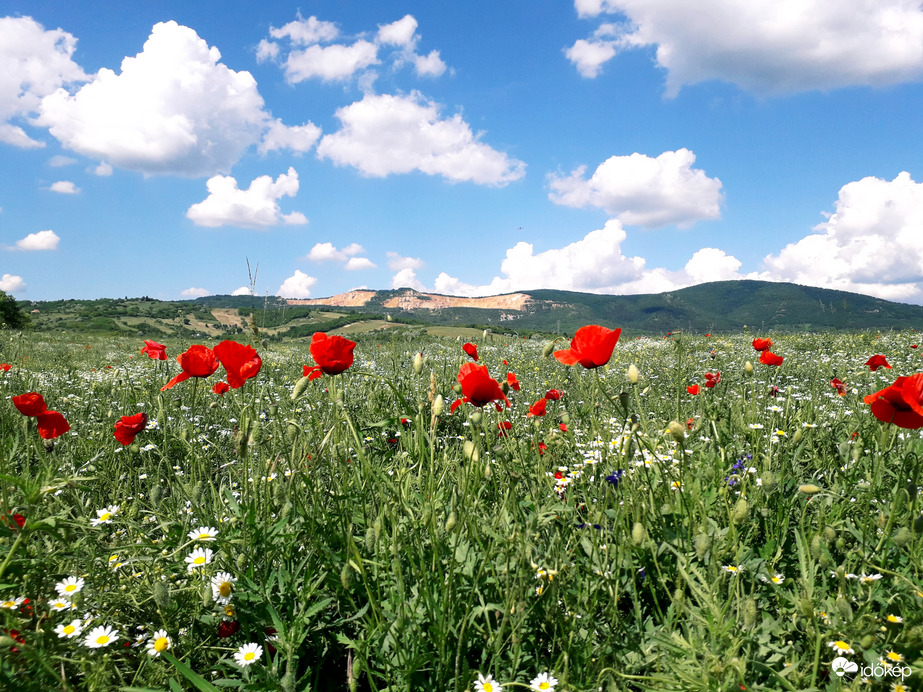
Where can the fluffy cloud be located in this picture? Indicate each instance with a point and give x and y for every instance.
(398, 262)
(298, 285)
(194, 292)
(768, 46)
(359, 263)
(872, 244)
(103, 170)
(305, 57)
(174, 108)
(593, 264)
(644, 191)
(297, 138)
(326, 252)
(60, 161)
(242, 291)
(42, 240)
(35, 63)
(407, 278)
(385, 134)
(64, 187)
(10, 283)
(590, 55)
(255, 207)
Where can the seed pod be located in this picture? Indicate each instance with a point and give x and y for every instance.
(438, 405)
(633, 374)
(418, 364)
(638, 533)
(741, 510)
(450, 522)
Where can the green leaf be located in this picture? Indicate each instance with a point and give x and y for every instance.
(197, 680)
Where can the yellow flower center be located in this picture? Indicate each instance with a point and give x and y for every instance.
(893, 618)
(487, 687)
(229, 611)
(894, 656)
(225, 589)
(203, 536)
(544, 686)
(102, 639)
(776, 580)
(162, 644)
(8, 604)
(199, 560)
(249, 656)
(70, 587)
(69, 629)
(105, 517)
(841, 645)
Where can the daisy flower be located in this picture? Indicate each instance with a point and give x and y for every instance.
(101, 636)
(70, 630)
(159, 643)
(12, 603)
(893, 657)
(774, 579)
(203, 533)
(199, 558)
(69, 586)
(223, 587)
(59, 604)
(487, 684)
(841, 647)
(543, 682)
(104, 516)
(731, 569)
(869, 578)
(247, 654)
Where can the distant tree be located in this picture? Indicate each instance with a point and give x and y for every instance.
(11, 315)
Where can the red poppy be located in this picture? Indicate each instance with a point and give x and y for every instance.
(129, 426)
(591, 347)
(239, 360)
(478, 387)
(512, 381)
(913, 345)
(901, 403)
(16, 636)
(227, 628)
(770, 358)
(51, 424)
(197, 361)
(471, 350)
(690, 423)
(17, 519)
(333, 355)
(553, 394)
(542, 448)
(538, 408)
(221, 388)
(30, 404)
(504, 427)
(839, 386)
(711, 379)
(5, 367)
(563, 427)
(877, 361)
(693, 389)
(762, 344)
(154, 350)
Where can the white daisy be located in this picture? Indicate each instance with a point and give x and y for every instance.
(70, 630)
(69, 586)
(59, 604)
(159, 643)
(101, 636)
(12, 603)
(203, 533)
(223, 587)
(248, 654)
(544, 682)
(104, 516)
(487, 684)
(198, 558)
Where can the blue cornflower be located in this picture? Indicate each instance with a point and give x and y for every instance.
(615, 477)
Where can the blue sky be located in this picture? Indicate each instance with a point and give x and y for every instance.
(609, 146)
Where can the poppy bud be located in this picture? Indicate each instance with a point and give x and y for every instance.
(843, 609)
(867, 642)
(676, 431)
(902, 537)
(371, 540)
(748, 367)
(806, 607)
(487, 471)
(346, 576)
(638, 533)
(505, 386)
(438, 405)
(809, 488)
(829, 534)
(475, 417)
(796, 438)
(816, 547)
(242, 563)
(470, 451)
(418, 364)
(162, 594)
(741, 509)
(300, 386)
(255, 433)
(749, 614)
(633, 374)
(450, 522)
(702, 543)
(546, 351)
(457, 388)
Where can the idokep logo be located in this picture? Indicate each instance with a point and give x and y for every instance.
(841, 666)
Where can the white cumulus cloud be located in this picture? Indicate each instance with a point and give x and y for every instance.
(255, 207)
(10, 283)
(768, 46)
(296, 138)
(397, 262)
(359, 263)
(644, 191)
(385, 134)
(173, 108)
(326, 252)
(194, 292)
(242, 291)
(41, 240)
(872, 244)
(35, 63)
(298, 285)
(64, 187)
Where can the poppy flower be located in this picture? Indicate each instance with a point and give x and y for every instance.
(762, 344)
(51, 425)
(17, 519)
(478, 387)
(129, 426)
(227, 628)
(770, 358)
(30, 404)
(471, 350)
(512, 381)
(197, 361)
(553, 394)
(5, 367)
(693, 389)
(538, 408)
(333, 355)
(839, 386)
(221, 388)
(154, 350)
(239, 360)
(877, 361)
(591, 347)
(901, 403)
(711, 379)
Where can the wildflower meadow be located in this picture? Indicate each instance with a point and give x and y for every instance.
(410, 512)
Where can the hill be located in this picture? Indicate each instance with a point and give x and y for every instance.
(710, 307)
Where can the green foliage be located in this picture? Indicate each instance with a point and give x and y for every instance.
(12, 315)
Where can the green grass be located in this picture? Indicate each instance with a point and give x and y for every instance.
(378, 534)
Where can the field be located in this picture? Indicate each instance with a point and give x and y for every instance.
(635, 526)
